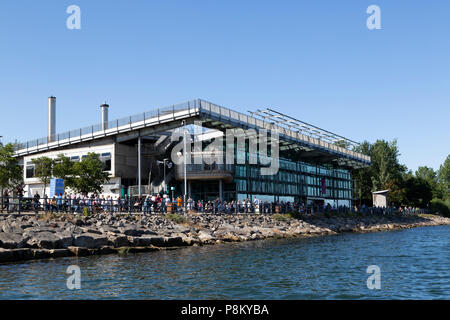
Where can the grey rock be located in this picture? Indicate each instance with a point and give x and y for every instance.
(173, 241)
(90, 240)
(12, 240)
(119, 241)
(66, 239)
(44, 240)
(205, 236)
(131, 231)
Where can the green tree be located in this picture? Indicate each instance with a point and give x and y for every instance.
(385, 172)
(430, 176)
(418, 192)
(385, 164)
(444, 178)
(43, 169)
(63, 168)
(362, 178)
(89, 175)
(11, 174)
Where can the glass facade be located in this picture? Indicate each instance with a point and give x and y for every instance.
(297, 180)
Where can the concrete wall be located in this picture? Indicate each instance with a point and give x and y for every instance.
(380, 199)
(103, 146)
(126, 162)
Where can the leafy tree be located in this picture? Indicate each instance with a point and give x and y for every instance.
(89, 175)
(63, 168)
(444, 178)
(362, 177)
(397, 192)
(385, 172)
(430, 176)
(385, 165)
(11, 174)
(418, 192)
(43, 169)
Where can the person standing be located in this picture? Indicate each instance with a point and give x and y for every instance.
(36, 202)
(5, 201)
(179, 204)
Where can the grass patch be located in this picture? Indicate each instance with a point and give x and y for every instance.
(282, 217)
(48, 216)
(287, 216)
(175, 218)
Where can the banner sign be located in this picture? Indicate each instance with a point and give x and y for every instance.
(56, 187)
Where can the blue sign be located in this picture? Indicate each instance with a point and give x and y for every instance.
(56, 187)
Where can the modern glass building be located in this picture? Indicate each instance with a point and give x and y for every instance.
(314, 165)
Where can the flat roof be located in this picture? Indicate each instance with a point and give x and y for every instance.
(218, 117)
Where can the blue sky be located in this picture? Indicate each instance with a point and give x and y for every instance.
(315, 60)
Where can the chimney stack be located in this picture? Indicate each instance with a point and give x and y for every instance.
(104, 109)
(51, 119)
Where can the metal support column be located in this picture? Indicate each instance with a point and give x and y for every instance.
(139, 165)
(185, 164)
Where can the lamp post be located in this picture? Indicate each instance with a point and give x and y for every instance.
(185, 164)
(165, 162)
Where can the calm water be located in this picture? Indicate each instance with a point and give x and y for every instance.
(415, 264)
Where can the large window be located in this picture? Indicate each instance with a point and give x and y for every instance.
(30, 170)
(106, 158)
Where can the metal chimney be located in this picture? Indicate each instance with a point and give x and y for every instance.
(51, 119)
(104, 109)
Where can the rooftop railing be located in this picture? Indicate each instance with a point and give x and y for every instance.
(146, 118)
(224, 113)
(169, 114)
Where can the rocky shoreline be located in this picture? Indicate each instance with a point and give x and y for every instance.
(42, 237)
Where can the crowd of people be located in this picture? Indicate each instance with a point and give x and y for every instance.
(82, 203)
(79, 203)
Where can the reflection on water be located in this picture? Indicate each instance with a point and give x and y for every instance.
(415, 264)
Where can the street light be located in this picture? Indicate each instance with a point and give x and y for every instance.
(165, 162)
(185, 174)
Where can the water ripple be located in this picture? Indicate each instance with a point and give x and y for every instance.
(415, 264)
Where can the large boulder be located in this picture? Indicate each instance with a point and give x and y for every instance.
(174, 241)
(44, 240)
(12, 240)
(119, 241)
(131, 231)
(90, 240)
(156, 241)
(66, 238)
(205, 236)
(13, 255)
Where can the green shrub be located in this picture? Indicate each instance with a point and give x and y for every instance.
(281, 217)
(441, 207)
(86, 212)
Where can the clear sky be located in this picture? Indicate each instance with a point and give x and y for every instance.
(315, 60)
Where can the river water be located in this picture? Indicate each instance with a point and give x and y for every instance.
(413, 264)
